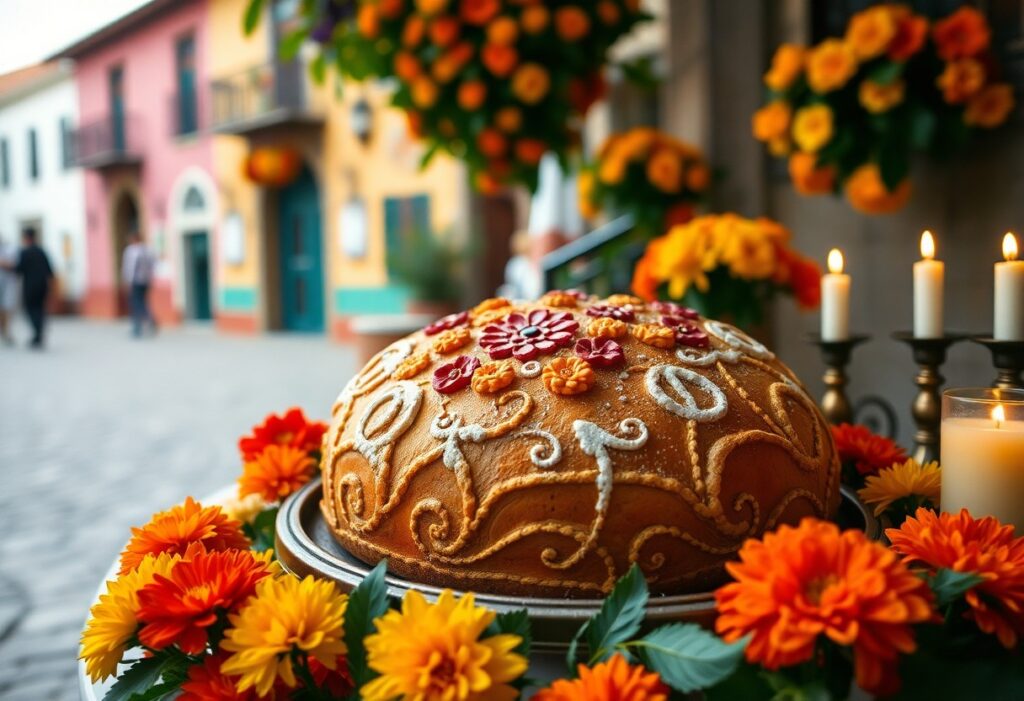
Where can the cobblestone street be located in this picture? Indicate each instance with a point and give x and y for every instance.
(98, 432)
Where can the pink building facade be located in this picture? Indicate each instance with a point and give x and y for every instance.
(147, 158)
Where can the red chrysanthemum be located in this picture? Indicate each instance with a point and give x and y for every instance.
(866, 451)
(337, 682)
(799, 584)
(178, 610)
(292, 429)
(526, 336)
(207, 683)
(982, 546)
(174, 530)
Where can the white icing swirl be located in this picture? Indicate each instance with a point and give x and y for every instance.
(674, 377)
(530, 369)
(595, 442)
(541, 455)
(738, 340)
(400, 403)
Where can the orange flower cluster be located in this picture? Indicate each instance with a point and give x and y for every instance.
(657, 177)
(753, 252)
(849, 111)
(281, 454)
(495, 82)
(614, 679)
(801, 585)
(984, 547)
(864, 451)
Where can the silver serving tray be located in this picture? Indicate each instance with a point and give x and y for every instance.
(305, 546)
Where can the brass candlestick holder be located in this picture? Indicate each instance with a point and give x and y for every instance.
(1008, 359)
(834, 403)
(929, 354)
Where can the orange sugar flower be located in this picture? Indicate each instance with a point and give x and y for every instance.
(276, 472)
(621, 300)
(911, 31)
(560, 299)
(960, 80)
(867, 193)
(787, 64)
(808, 178)
(207, 683)
(493, 377)
(568, 376)
(292, 428)
(606, 327)
(571, 23)
(990, 107)
(798, 584)
(867, 451)
(174, 530)
(478, 12)
(489, 305)
(964, 33)
(612, 679)
(179, 608)
(983, 546)
(411, 366)
(655, 335)
(451, 340)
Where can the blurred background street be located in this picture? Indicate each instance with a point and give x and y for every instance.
(101, 431)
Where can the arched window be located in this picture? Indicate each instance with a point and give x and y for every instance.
(194, 201)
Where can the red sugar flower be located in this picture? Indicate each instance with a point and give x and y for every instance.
(524, 337)
(453, 376)
(677, 310)
(867, 451)
(292, 429)
(178, 609)
(687, 334)
(600, 352)
(623, 313)
(447, 322)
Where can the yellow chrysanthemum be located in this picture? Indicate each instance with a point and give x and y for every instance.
(114, 619)
(877, 98)
(286, 615)
(433, 652)
(812, 128)
(746, 247)
(244, 509)
(920, 483)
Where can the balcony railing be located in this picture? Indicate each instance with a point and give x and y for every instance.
(108, 142)
(263, 97)
(600, 262)
(186, 114)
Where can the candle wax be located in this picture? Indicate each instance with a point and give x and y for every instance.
(929, 280)
(983, 468)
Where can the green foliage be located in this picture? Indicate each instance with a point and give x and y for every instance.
(366, 603)
(950, 585)
(251, 19)
(688, 657)
(263, 530)
(513, 623)
(617, 622)
(140, 681)
(429, 265)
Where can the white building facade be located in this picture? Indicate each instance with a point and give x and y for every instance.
(40, 186)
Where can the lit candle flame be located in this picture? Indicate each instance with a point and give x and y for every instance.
(927, 245)
(835, 261)
(998, 415)
(1010, 246)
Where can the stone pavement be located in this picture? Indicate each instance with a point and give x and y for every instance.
(100, 431)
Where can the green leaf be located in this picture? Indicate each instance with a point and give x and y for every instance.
(137, 679)
(367, 602)
(886, 72)
(923, 123)
(950, 585)
(253, 12)
(893, 165)
(620, 616)
(688, 657)
(513, 623)
(318, 68)
(291, 43)
(159, 692)
(748, 682)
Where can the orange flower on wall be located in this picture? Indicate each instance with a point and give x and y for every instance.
(798, 586)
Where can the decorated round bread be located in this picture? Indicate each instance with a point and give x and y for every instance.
(540, 449)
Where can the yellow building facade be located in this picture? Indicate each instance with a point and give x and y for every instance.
(312, 254)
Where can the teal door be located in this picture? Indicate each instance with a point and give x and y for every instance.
(302, 281)
(197, 275)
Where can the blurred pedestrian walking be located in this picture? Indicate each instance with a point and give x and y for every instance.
(137, 268)
(8, 290)
(36, 279)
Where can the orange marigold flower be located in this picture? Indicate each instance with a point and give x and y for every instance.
(867, 193)
(772, 120)
(503, 30)
(390, 8)
(645, 282)
(444, 31)
(964, 33)
(807, 177)
(870, 31)
(830, 65)
(531, 83)
(571, 23)
(530, 151)
(877, 98)
(368, 21)
(665, 170)
(407, 66)
(960, 80)
(494, 376)
(568, 376)
(982, 546)
(478, 12)
(612, 679)
(179, 608)
(911, 31)
(698, 177)
(866, 451)
(606, 327)
(431, 7)
(654, 335)
(276, 472)
(174, 530)
(609, 13)
(413, 32)
(508, 119)
(990, 107)
(798, 584)
(424, 92)
(499, 59)
(560, 299)
(805, 282)
(207, 683)
(451, 340)
(535, 19)
(411, 366)
(787, 64)
(292, 428)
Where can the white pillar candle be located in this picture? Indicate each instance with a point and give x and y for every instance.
(1009, 294)
(835, 300)
(929, 280)
(983, 467)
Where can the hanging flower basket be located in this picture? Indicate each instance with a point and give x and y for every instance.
(272, 166)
